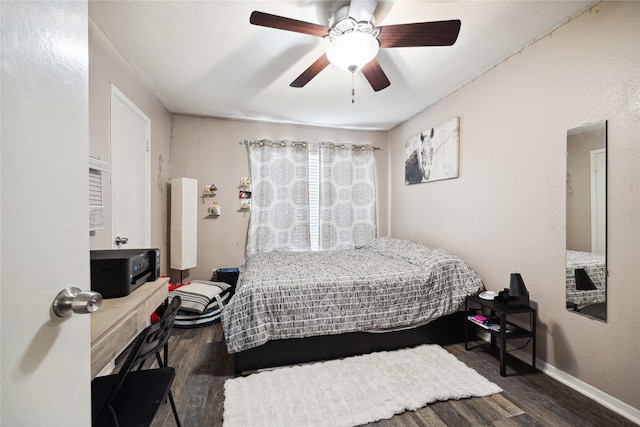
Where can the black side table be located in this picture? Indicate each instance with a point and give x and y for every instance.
(506, 330)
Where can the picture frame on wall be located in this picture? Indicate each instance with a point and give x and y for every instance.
(433, 154)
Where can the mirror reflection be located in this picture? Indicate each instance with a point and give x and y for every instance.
(586, 220)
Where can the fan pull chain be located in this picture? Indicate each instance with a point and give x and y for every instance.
(353, 91)
(353, 69)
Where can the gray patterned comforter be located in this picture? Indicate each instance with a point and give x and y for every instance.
(388, 284)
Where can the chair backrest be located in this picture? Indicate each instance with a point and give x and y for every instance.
(159, 332)
(150, 341)
(166, 310)
(172, 307)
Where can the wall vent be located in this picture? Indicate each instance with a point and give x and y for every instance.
(96, 193)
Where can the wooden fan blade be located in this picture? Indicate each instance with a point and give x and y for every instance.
(437, 33)
(362, 10)
(288, 24)
(375, 76)
(313, 70)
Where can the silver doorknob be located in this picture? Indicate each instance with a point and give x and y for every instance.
(73, 300)
(121, 240)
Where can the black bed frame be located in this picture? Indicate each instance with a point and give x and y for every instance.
(444, 330)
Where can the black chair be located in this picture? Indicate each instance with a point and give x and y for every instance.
(133, 397)
(165, 311)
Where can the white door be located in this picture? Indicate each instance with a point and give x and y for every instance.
(598, 164)
(44, 240)
(130, 174)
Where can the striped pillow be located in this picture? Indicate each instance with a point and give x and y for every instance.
(197, 295)
(211, 315)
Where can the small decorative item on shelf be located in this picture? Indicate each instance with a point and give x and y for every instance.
(214, 209)
(245, 192)
(210, 190)
(245, 183)
(245, 203)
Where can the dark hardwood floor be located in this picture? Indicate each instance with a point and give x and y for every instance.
(529, 399)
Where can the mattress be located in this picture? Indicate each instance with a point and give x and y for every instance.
(388, 284)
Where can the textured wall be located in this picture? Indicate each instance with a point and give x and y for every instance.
(506, 212)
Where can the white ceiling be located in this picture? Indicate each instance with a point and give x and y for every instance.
(204, 58)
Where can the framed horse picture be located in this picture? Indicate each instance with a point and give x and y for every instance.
(433, 154)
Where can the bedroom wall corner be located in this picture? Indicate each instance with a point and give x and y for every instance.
(106, 66)
(506, 211)
(209, 150)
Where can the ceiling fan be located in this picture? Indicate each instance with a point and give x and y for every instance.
(355, 40)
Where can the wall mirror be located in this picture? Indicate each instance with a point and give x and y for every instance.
(586, 254)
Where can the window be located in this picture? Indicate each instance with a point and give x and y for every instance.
(314, 197)
(310, 196)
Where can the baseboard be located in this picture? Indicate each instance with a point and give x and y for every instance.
(606, 400)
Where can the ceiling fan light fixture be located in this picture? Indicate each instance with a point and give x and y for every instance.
(352, 49)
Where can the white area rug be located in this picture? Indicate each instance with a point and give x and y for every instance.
(352, 391)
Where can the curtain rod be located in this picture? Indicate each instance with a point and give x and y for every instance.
(303, 143)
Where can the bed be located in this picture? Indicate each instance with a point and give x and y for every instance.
(591, 292)
(293, 307)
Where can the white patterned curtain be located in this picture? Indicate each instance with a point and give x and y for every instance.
(347, 196)
(280, 198)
